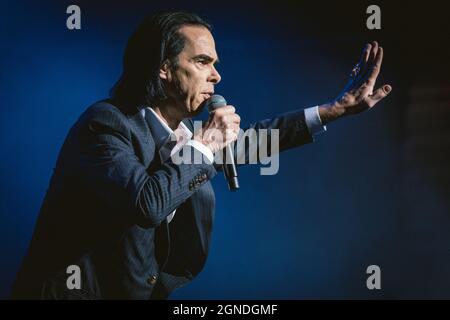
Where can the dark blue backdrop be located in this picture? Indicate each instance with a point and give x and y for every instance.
(308, 232)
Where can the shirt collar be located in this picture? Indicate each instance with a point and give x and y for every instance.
(160, 130)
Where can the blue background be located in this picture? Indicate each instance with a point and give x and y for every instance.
(335, 207)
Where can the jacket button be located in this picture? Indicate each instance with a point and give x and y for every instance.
(152, 280)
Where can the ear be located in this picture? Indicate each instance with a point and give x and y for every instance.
(164, 71)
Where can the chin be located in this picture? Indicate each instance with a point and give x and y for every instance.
(200, 107)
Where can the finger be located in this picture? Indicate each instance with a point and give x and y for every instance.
(228, 109)
(229, 120)
(363, 63)
(223, 111)
(374, 51)
(379, 94)
(360, 66)
(231, 134)
(232, 118)
(235, 127)
(365, 55)
(373, 73)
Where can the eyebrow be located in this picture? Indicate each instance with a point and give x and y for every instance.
(206, 57)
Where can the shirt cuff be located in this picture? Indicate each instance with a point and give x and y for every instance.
(313, 121)
(202, 148)
(170, 216)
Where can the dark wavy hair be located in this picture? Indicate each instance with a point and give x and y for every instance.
(155, 40)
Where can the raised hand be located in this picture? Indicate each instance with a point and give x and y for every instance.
(359, 95)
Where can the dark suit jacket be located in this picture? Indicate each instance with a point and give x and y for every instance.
(106, 206)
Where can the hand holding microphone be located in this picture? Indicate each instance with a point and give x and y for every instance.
(221, 129)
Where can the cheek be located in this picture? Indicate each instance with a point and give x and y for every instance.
(188, 84)
(193, 88)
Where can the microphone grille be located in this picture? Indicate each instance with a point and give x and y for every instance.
(216, 101)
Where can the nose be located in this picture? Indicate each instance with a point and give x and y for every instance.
(215, 76)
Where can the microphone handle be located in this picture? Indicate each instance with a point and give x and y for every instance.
(230, 171)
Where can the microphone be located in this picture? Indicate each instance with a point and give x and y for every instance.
(229, 167)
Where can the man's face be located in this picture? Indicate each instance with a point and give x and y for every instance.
(192, 81)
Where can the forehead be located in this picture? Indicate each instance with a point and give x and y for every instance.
(199, 40)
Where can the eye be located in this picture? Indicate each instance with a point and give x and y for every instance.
(202, 62)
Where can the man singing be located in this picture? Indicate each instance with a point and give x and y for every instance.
(134, 223)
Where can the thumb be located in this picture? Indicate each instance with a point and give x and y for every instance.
(379, 94)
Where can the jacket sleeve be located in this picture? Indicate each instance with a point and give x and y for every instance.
(115, 174)
(267, 137)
